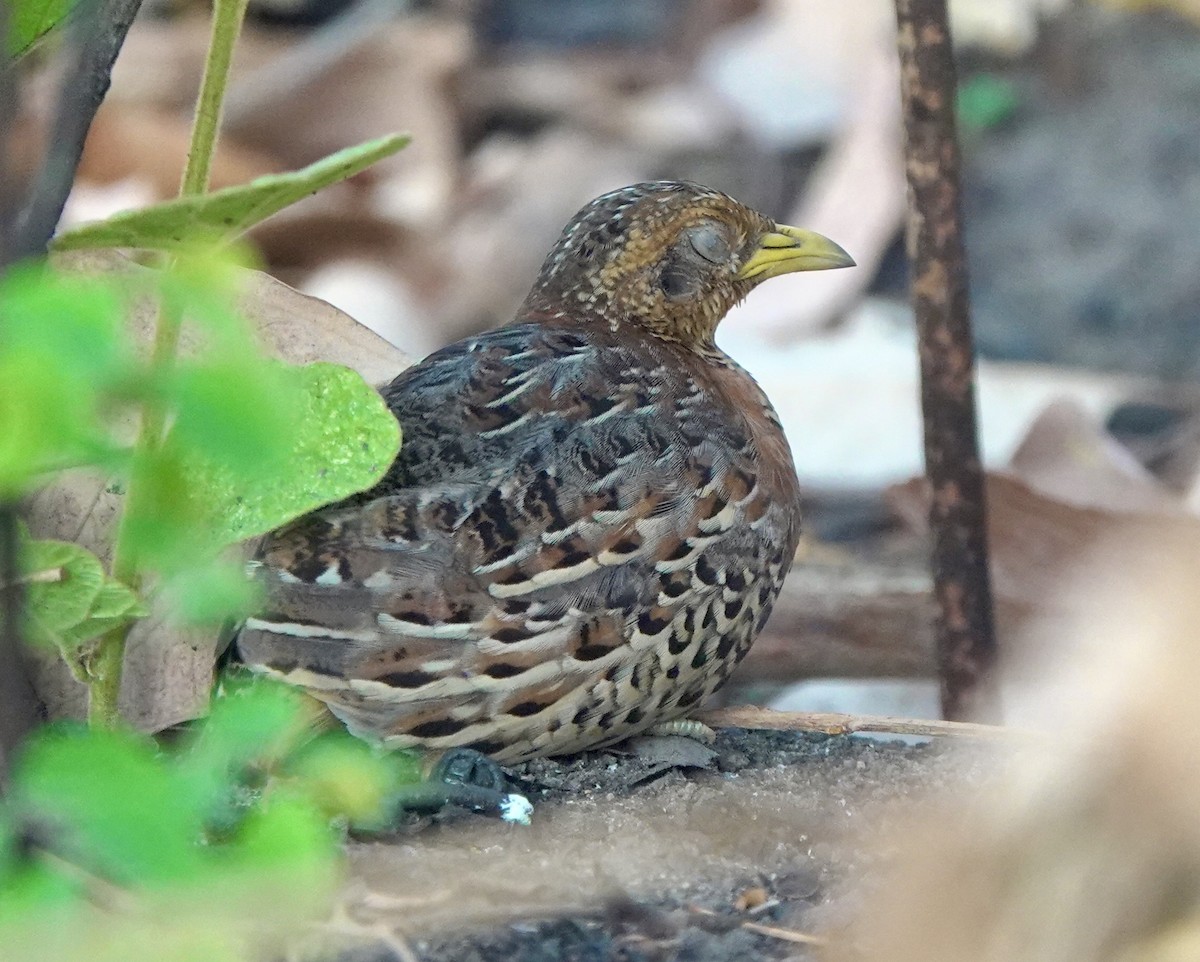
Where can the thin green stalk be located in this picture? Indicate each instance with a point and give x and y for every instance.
(227, 24)
(104, 670)
(107, 661)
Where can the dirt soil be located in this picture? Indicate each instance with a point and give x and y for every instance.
(664, 850)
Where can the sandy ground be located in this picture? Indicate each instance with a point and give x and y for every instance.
(628, 852)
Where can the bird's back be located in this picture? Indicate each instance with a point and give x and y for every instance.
(581, 536)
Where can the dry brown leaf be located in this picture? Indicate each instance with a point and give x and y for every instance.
(294, 98)
(1067, 455)
(162, 60)
(331, 225)
(1069, 488)
(398, 76)
(169, 670)
(585, 89)
(1034, 540)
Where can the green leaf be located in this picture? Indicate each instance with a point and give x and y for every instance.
(255, 719)
(30, 20)
(119, 811)
(224, 214)
(211, 594)
(28, 883)
(163, 528)
(75, 320)
(115, 605)
(33, 889)
(345, 776)
(69, 600)
(287, 831)
(63, 364)
(255, 723)
(346, 439)
(63, 582)
(40, 419)
(239, 412)
(202, 284)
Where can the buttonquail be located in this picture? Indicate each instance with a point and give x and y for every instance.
(591, 515)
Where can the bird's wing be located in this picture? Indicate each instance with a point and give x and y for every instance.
(555, 501)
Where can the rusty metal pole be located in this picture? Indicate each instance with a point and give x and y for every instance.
(966, 637)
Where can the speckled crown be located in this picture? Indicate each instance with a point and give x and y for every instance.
(601, 228)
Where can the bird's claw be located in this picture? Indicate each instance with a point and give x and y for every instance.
(464, 778)
(465, 766)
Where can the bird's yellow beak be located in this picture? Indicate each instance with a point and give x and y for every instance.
(788, 249)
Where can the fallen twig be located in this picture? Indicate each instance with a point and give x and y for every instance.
(773, 931)
(835, 723)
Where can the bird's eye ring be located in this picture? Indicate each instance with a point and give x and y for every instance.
(709, 242)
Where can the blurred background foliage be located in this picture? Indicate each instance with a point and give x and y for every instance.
(215, 847)
(113, 845)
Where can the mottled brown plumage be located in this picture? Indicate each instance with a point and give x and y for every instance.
(591, 515)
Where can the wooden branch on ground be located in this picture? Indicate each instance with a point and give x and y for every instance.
(835, 621)
(834, 723)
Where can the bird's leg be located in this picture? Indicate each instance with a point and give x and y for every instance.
(685, 727)
(464, 778)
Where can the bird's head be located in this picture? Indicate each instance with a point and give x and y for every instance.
(670, 257)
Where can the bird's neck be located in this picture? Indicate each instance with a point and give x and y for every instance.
(693, 331)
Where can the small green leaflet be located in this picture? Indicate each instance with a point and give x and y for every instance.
(69, 600)
(184, 223)
(30, 20)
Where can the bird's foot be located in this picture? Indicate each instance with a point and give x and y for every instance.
(687, 728)
(464, 778)
(465, 766)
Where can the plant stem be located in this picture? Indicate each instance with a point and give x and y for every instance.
(107, 663)
(96, 37)
(105, 669)
(227, 24)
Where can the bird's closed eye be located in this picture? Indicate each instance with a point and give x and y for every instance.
(709, 242)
